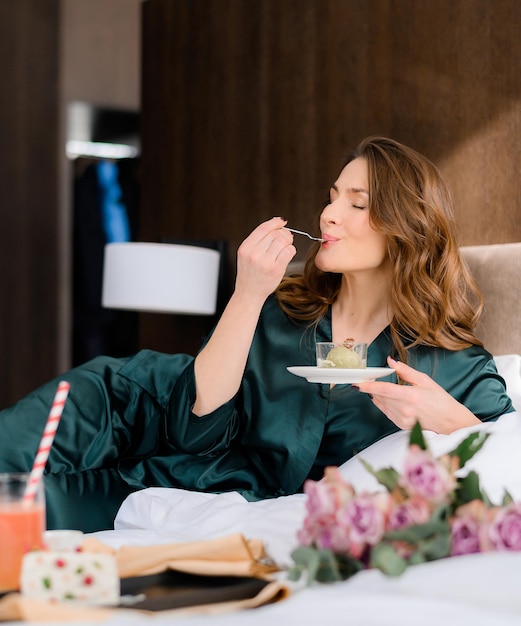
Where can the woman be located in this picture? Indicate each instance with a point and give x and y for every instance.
(387, 273)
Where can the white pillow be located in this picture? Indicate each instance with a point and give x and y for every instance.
(389, 452)
(498, 463)
(509, 367)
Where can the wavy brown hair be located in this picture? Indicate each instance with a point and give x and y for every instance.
(435, 301)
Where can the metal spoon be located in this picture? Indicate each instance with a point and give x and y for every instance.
(301, 232)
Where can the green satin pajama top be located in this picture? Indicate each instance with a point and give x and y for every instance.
(127, 423)
(285, 429)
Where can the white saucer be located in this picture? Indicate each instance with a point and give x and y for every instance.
(339, 376)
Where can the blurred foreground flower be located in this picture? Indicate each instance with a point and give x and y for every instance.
(428, 511)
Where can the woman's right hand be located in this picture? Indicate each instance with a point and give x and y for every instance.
(262, 260)
(263, 257)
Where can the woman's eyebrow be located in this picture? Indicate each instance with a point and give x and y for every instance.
(351, 190)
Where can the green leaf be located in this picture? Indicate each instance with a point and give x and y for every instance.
(469, 446)
(333, 567)
(388, 477)
(418, 532)
(485, 498)
(437, 546)
(325, 569)
(441, 513)
(468, 489)
(295, 572)
(348, 566)
(430, 541)
(416, 437)
(417, 558)
(385, 558)
(322, 565)
(306, 560)
(507, 498)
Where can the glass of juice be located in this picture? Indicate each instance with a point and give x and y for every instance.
(22, 524)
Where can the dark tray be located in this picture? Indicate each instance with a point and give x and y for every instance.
(172, 590)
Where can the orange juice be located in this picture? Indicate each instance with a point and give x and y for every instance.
(21, 530)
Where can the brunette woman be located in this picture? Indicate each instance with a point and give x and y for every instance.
(388, 272)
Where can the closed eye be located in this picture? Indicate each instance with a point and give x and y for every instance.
(356, 206)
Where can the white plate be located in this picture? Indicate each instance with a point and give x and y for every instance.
(339, 376)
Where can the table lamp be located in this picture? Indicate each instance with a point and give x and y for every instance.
(160, 278)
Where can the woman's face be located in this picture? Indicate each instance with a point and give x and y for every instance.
(351, 243)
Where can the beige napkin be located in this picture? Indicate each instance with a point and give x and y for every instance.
(226, 556)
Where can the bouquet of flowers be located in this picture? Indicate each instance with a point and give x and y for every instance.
(429, 511)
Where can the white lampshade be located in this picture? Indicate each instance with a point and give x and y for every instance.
(160, 277)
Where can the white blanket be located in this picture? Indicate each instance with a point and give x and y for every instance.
(476, 589)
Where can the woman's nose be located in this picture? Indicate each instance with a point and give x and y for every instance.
(330, 213)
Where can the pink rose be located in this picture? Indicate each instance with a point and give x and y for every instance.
(320, 531)
(361, 522)
(469, 528)
(334, 538)
(416, 510)
(427, 477)
(324, 499)
(465, 536)
(505, 529)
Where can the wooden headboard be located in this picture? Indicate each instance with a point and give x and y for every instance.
(497, 270)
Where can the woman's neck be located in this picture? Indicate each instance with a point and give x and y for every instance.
(362, 309)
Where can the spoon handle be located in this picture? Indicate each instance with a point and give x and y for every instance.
(301, 232)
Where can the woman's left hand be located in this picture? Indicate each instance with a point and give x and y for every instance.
(420, 400)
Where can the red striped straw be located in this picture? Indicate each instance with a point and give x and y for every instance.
(47, 439)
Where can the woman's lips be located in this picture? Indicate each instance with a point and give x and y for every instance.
(328, 239)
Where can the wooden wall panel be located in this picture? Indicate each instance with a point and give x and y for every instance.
(51, 51)
(29, 183)
(101, 53)
(250, 105)
(451, 88)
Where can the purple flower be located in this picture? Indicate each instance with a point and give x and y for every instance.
(410, 512)
(427, 491)
(465, 536)
(505, 529)
(361, 523)
(426, 476)
(324, 499)
(469, 528)
(327, 495)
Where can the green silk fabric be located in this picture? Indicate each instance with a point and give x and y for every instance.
(128, 425)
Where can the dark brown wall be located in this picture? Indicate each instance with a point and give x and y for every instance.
(249, 108)
(250, 105)
(29, 199)
(101, 52)
(51, 51)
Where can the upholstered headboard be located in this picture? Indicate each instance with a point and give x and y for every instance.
(497, 270)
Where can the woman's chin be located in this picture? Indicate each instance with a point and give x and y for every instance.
(323, 265)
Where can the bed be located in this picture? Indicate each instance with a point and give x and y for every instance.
(476, 589)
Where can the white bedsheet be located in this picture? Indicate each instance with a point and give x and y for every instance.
(476, 589)
(479, 591)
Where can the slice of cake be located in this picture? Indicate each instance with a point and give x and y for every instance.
(89, 578)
